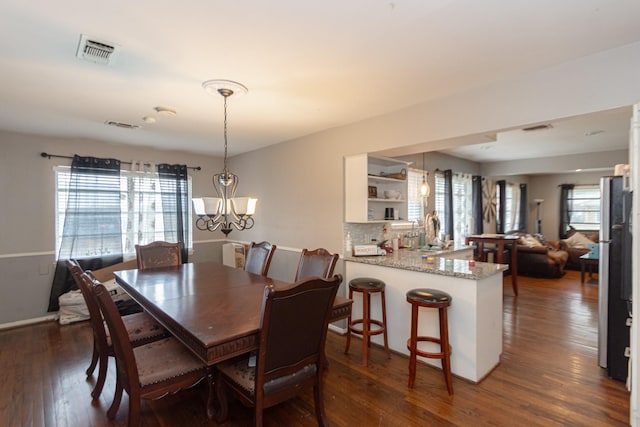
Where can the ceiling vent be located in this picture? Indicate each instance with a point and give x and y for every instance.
(121, 125)
(537, 127)
(97, 51)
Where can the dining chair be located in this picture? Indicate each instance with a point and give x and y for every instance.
(293, 330)
(150, 371)
(159, 254)
(259, 258)
(318, 262)
(141, 328)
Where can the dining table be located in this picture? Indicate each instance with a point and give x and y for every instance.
(500, 241)
(213, 309)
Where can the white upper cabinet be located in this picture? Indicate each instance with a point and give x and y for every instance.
(374, 185)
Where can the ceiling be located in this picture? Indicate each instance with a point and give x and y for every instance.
(309, 66)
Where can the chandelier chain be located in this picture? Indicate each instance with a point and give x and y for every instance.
(225, 170)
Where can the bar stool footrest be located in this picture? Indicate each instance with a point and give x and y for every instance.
(360, 331)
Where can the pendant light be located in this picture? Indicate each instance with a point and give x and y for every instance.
(226, 211)
(425, 190)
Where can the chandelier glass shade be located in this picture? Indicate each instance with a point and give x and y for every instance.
(226, 211)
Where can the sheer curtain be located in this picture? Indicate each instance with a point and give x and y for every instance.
(463, 221)
(92, 221)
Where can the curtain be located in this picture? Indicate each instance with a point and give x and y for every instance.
(476, 202)
(142, 206)
(92, 221)
(566, 191)
(513, 207)
(523, 212)
(448, 203)
(502, 205)
(462, 207)
(175, 204)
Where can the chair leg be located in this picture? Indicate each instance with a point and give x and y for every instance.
(117, 397)
(102, 376)
(445, 349)
(321, 417)
(413, 344)
(94, 360)
(346, 349)
(134, 410)
(366, 340)
(384, 323)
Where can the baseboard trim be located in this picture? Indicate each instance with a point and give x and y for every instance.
(27, 322)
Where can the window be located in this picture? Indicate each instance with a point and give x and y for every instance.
(584, 207)
(462, 201)
(140, 208)
(511, 206)
(415, 204)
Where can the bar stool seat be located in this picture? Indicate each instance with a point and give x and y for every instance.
(363, 326)
(430, 298)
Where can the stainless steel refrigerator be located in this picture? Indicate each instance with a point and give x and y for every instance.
(614, 278)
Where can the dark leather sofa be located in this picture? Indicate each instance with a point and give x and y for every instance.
(539, 258)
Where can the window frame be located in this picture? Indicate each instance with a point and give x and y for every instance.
(63, 173)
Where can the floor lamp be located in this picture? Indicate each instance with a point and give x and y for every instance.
(538, 227)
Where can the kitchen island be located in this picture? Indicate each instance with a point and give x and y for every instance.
(475, 314)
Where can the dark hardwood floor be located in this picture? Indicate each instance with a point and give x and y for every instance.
(548, 376)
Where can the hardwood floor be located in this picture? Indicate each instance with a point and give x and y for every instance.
(548, 376)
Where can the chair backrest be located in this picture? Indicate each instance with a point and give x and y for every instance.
(259, 258)
(95, 317)
(319, 262)
(159, 254)
(122, 348)
(294, 324)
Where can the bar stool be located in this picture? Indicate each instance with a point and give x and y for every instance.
(430, 298)
(367, 286)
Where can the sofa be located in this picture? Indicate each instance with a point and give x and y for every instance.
(577, 244)
(539, 258)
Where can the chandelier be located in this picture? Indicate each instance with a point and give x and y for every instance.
(226, 211)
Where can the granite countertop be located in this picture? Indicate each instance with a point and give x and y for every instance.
(413, 260)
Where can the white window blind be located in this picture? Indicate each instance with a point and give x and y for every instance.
(584, 207)
(439, 196)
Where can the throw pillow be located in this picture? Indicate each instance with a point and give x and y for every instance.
(530, 241)
(578, 240)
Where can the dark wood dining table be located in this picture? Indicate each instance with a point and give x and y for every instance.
(212, 308)
(500, 241)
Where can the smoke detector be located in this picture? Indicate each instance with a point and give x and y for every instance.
(97, 51)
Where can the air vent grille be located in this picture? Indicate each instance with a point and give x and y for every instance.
(97, 51)
(121, 125)
(537, 127)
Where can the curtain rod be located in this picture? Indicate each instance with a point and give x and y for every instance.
(48, 156)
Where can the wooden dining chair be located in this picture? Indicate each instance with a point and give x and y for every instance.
(293, 330)
(318, 262)
(259, 257)
(159, 254)
(141, 328)
(150, 371)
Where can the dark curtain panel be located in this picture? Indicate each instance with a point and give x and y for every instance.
(523, 218)
(502, 205)
(448, 203)
(566, 191)
(476, 200)
(175, 204)
(92, 231)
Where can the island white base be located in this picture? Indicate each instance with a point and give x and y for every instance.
(475, 316)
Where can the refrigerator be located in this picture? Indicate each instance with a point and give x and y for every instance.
(614, 277)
